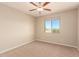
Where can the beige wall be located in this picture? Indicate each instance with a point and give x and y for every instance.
(78, 29)
(68, 30)
(16, 28)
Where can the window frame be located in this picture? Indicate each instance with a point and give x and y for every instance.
(51, 25)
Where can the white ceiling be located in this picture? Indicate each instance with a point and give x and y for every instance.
(55, 6)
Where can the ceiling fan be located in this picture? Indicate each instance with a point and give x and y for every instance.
(40, 7)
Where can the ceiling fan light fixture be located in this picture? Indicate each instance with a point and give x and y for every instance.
(39, 9)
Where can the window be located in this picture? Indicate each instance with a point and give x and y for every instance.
(48, 26)
(55, 25)
(52, 25)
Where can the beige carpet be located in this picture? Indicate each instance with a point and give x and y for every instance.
(41, 49)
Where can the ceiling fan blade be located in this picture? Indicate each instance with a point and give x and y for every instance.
(33, 4)
(47, 9)
(32, 10)
(45, 4)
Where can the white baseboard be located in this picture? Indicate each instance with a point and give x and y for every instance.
(32, 41)
(57, 43)
(15, 47)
